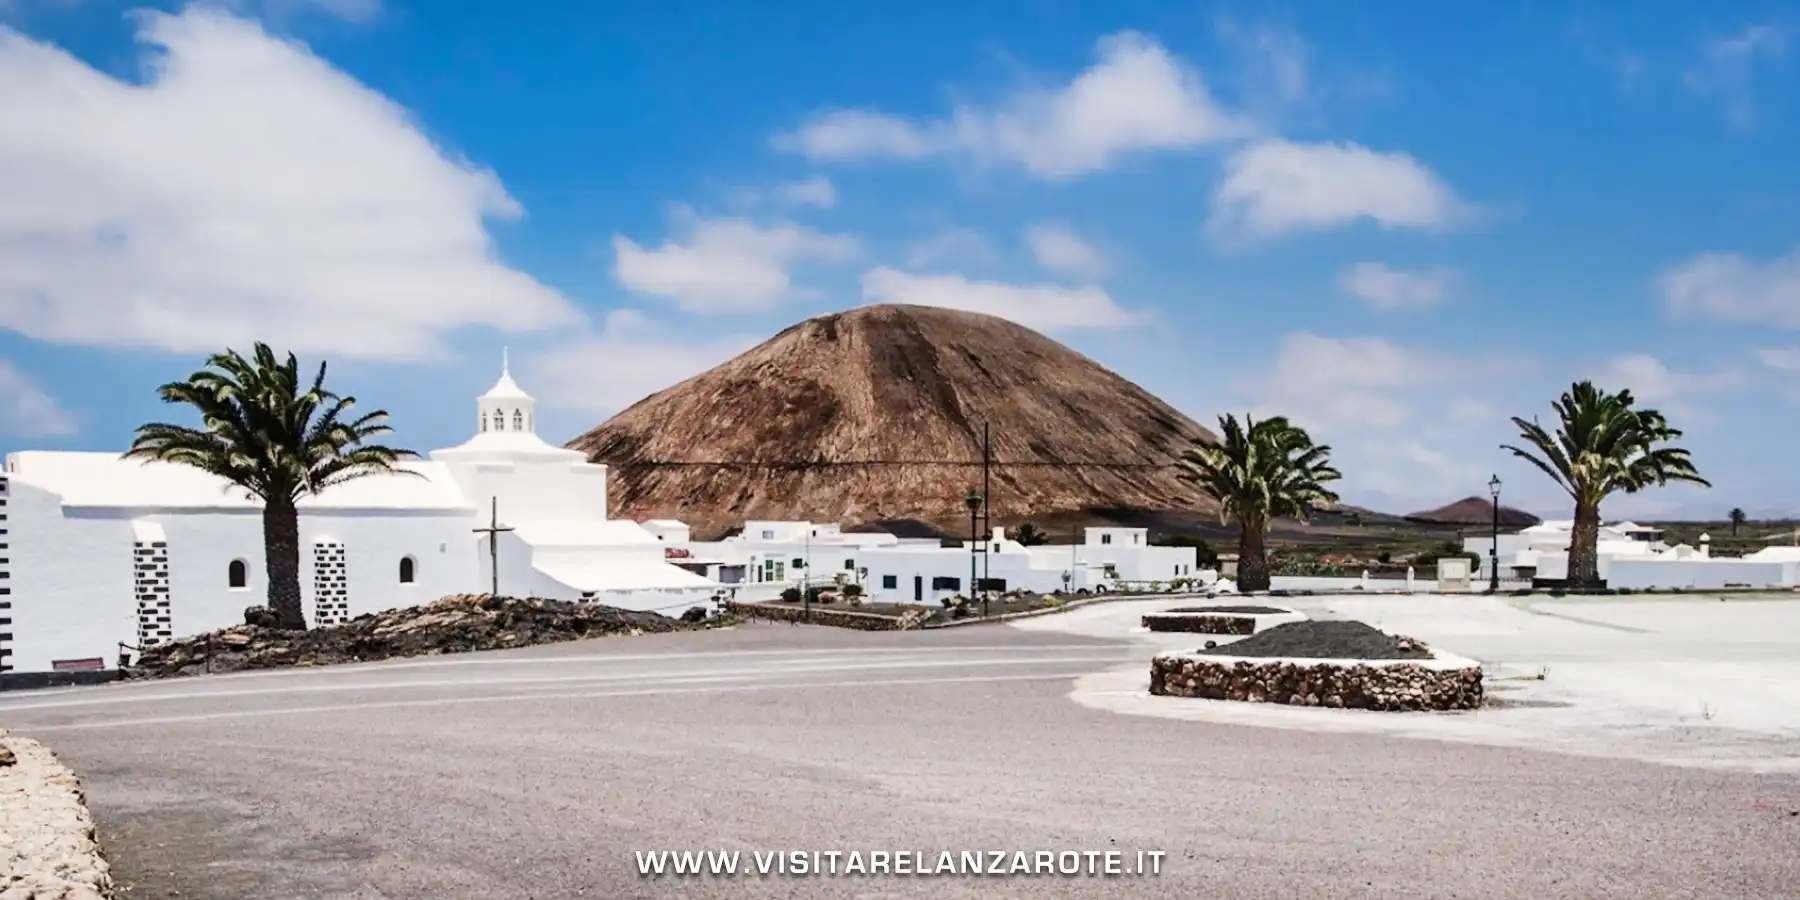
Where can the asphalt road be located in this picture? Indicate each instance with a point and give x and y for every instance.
(542, 773)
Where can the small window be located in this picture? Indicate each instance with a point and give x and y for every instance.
(890, 582)
(1106, 539)
(946, 583)
(768, 534)
(408, 570)
(518, 420)
(238, 574)
(484, 421)
(849, 563)
(799, 563)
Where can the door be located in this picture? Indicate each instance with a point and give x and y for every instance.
(918, 589)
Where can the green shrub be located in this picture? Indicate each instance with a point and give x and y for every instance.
(790, 595)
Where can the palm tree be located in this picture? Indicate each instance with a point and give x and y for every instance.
(1737, 518)
(1602, 446)
(1030, 535)
(267, 433)
(1260, 471)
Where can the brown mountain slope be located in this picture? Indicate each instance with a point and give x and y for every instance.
(876, 413)
(1474, 511)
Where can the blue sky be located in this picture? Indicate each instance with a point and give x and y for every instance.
(1399, 223)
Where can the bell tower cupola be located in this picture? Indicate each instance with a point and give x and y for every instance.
(506, 408)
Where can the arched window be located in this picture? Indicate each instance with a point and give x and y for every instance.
(408, 569)
(238, 574)
(518, 420)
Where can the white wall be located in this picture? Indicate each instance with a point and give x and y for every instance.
(1699, 572)
(73, 593)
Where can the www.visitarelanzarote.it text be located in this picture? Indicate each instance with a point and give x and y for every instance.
(777, 863)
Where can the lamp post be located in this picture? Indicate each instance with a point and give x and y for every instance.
(1494, 552)
(973, 502)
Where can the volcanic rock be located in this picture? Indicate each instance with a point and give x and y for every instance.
(877, 414)
(460, 623)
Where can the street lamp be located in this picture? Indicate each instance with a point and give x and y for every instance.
(1494, 553)
(973, 502)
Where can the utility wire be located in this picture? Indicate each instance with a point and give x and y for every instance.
(799, 465)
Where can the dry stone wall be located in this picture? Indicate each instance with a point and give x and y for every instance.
(1200, 623)
(839, 618)
(48, 850)
(1375, 685)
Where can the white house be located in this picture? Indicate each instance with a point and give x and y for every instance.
(1634, 556)
(97, 550)
(770, 556)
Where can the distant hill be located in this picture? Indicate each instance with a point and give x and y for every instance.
(1471, 511)
(875, 415)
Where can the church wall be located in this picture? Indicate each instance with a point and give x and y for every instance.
(73, 575)
(72, 582)
(552, 491)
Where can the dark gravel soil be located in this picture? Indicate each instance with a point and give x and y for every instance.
(1228, 610)
(1325, 640)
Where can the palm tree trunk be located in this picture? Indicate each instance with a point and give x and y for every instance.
(281, 559)
(1584, 547)
(1253, 560)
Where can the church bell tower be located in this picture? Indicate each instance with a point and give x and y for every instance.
(506, 408)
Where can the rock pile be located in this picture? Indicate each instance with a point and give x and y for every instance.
(461, 623)
(1391, 674)
(48, 849)
(1327, 640)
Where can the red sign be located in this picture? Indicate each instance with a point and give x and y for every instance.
(675, 553)
(91, 664)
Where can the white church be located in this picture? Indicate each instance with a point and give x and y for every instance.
(98, 551)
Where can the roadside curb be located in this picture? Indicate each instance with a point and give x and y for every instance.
(50, 846)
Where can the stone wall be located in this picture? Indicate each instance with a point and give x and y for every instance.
(1397, 685)
(1201, 623)
(825, 615)
(48, 849)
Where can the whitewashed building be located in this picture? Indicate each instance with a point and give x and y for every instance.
(97, 550)
(1635, 556)
(768, 557)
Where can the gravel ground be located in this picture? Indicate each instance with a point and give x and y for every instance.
(1324, 640)
(47, 846)
(540, 772)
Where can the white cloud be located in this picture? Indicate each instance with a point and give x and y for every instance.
(816, 191)
(1044, 307)
(245, 190)
(1732, 288)
(1655, 385)
(1276, 187)
(629, 359)
(1651, 381)
(952, 245)
(1469, 409)
(727, 264)
(1137, 97)
(1781, 359)
(1060, 250)
(1275, 61)
(26, 410)
(1727, 69)
(1386, 288)
(1361, 383)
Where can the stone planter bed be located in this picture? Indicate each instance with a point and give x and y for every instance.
(1232, 620)
(1342, 665)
